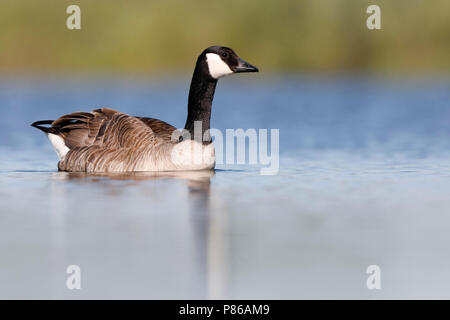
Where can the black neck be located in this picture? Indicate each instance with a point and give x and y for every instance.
(201, 95)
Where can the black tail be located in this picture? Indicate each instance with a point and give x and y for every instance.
(39, 125)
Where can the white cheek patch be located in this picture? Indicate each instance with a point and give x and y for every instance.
(59, 145)
(217, 68)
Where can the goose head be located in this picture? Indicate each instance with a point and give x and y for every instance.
(222, 61)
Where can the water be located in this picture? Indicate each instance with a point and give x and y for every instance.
(364, 180)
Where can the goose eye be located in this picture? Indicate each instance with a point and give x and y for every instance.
(224, 55)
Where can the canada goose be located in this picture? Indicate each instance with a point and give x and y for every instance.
(106, 140)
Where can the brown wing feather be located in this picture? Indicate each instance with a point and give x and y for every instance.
(83, 129)
(106, 140)
(161, 128)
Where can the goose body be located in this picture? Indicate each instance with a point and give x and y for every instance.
(106, 140)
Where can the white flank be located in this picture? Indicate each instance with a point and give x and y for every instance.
(217, 68)
(193, 155)
(59, 145)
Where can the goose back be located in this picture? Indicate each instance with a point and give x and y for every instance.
(106, 140)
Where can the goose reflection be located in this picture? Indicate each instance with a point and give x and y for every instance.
(202, 227)
(197, 181)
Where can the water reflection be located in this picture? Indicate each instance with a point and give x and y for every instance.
(196, 180)
(204, 244)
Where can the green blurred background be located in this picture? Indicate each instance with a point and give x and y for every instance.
(287, 35)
